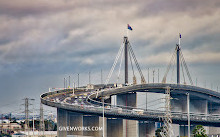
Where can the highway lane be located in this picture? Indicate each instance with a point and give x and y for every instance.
(84, 103)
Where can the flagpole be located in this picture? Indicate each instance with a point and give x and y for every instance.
(179, 38)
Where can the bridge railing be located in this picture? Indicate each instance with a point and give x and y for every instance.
(182, 115)
(122, 111)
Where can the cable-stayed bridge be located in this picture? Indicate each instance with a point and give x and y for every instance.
(115, 107)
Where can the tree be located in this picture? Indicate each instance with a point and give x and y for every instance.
(199, 131)
(157, 132)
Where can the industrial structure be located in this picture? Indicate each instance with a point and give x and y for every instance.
(114, 110)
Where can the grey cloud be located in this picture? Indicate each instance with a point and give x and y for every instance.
(19, 8)
(188, 7)
(61, 37)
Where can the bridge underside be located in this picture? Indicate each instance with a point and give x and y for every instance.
(122, 127)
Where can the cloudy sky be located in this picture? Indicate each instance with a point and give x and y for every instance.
(41, 42)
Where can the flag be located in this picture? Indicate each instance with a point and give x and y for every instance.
(129, 27)
(180, 35)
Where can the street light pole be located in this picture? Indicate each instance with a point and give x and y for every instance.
(148, 75)
(78, 80)
(103, 115)
(33, 118)
(188, 113)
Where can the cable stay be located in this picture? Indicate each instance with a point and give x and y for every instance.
(136, 62)
(126, 47)
(172, 74)
(168, 67)
(183, 71)
(119, 70)
(134, 77)
(186, 68)
(178, 55)
(114, 64)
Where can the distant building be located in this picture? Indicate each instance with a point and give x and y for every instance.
(38, 133)
(14, 127)
(18, 135)
(90, 86)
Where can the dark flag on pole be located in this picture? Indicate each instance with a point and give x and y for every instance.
(129, 27)
(180, 35)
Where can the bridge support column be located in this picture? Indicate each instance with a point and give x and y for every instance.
(142, 100)
(199, 106)
(61, 122)
(176, 130)
(214, 109)
(146, 129)
(75, 120)
(130, 127)
(115, 128)
(196, 106)
(127, 99)
(91, 124)
(184, 130)
(179, 104)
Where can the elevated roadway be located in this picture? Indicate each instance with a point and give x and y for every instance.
(91, 104)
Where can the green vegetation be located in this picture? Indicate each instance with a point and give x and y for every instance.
(49, 125)
(4, 135)
(199, 131)
(157, 132)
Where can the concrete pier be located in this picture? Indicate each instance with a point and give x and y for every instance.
(62, 122)
(214, 109)
(127, 99)
(92, 124)
(199, 106)
(176, 129)
(146, 129)
(130, 127)
(115, 127)
(179, 104)
(75, 120)
(184, 130)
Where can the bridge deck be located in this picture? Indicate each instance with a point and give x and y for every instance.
(89, 106)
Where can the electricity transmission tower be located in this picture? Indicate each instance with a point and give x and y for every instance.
(167, 127)
(42, 127)
(26, 111)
